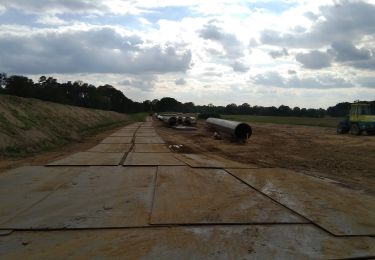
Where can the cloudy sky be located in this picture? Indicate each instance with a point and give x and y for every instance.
(297, 53)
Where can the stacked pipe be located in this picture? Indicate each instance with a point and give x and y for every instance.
(189, 120)
(173, 120)
(170, 120)
(239, 130)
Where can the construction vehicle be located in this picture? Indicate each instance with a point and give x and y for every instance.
(360, 119)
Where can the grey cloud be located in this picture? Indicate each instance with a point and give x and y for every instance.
(314, 59)
(364, 64)
(292, 72)
(299, 29)
(273, 78)
(278, 53)
(215, 52)
(211, 74)
(239, 67)
(144, 82)
(342, 21)
(366, 82)
(232, 46)
(273, 37)
(346, 51)
(311, 16)
(95, 51)
(253, 43)
(180, 81)
(348, 54)
(53, 6)
(323, 82)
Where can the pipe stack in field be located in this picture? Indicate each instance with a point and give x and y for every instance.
(239, 130)
(189, 120)
(170, 120)
(174, 120)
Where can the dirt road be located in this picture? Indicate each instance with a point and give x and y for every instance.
(318, 151)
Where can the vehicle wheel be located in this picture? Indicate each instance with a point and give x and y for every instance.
(341, 129)
(370, 132)
(354, 129)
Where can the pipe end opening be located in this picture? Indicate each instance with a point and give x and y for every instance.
(243, 131)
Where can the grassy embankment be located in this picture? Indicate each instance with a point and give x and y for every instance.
(29, 125)
(307, 121)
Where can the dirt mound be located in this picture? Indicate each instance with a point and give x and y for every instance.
(30, 125)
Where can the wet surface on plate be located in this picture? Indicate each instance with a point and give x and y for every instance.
(203, 242)
(211, 161)
(150, 148)
(96, 197)
(339, 210)
(184, 195)
(90, 159)
(145, 159)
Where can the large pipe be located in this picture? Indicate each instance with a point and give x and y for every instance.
(189, 120)
(236, 129)
(170, 120)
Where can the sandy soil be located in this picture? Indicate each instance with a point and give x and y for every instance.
(318, 151)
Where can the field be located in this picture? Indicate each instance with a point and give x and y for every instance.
(317, 151)
(307, 121)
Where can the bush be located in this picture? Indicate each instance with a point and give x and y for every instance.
(207, 115)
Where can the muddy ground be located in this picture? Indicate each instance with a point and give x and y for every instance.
(318, 151)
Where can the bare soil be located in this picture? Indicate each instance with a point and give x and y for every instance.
(318, 151)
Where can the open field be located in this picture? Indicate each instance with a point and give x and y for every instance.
(317, 151)
(307, 121)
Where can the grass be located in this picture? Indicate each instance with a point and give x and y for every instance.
(307, 121)
(5, 126)
(138, 117)
(20, 151)
(27, 123)
(52, 125)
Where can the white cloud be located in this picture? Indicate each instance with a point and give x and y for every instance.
(101, 50)
(273, 78)
(239, 67)
(180, 81)
(2, 9)
(144, 82)
(50, 20)
(316, 47)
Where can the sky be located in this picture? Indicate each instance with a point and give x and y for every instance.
(297, 53)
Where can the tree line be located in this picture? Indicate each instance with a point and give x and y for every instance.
(107, 97)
